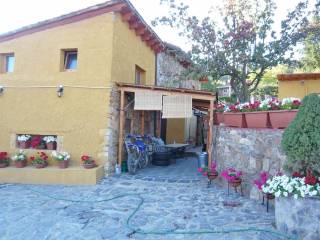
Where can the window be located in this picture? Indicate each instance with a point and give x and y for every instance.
(7, 62)
(70, 59)
(29, 141)
(140, 76)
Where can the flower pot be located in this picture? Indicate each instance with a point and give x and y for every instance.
(257, 119)
(232, 119)
(282, 118)
(63, 164)
(218, 118)
(51, 145)
(269, 196)
(213, 175)
(24, 145)
(40, 165)
(4, 165)
(236, 182)
(89, 165)
(20, 164)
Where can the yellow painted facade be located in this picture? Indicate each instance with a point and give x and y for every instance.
(108, 52)
(298, 88)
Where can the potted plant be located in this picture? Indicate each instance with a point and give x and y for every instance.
(19, 159)
(283, 112)
(210, 172)
(218, 114)
(40, 160)
(256, 114)
(37, 142)
(51, 142)
(23, 141)
(264, 176)
(232, 176)
(233, 116)
(63, 159)
(4, 160)
(88, 162)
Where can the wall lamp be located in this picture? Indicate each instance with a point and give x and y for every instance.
(1, 90)
(60, 90)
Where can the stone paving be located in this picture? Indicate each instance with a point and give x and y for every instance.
(43, 212)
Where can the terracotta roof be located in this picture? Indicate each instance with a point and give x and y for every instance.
(124, 7)
(298, 76)
(179, 54)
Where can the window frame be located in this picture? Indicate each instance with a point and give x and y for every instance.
(142, 76)
(4, 62)
(65, 58)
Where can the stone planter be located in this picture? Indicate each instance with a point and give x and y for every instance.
(89, 165)
(24, 145)
(235, 183)
(20, 164)
(235, 120)
(63, 164)
(51, 145)
(257, 119)
(281, 119)
(299, 217)
(4, 165)
(218, 118)
(212, 176)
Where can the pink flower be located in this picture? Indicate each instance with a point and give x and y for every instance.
(200, 170)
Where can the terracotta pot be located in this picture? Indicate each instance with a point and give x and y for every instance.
(282, 118)
(212, 176)
(269, 196)
(257, 119)
(63, 164)
(235, 119)
(51, 145)
(218, 118)
(89, 165)
(4, 165)
(20, 164)
(24, 145)
(41, 165)
(236, 182)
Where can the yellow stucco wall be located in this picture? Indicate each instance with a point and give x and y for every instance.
(131, 51)
(298, 88)
(175, 131)
(107, 52)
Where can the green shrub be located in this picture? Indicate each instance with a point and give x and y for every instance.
(301, 139)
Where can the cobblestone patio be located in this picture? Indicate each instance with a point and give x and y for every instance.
(45, 212)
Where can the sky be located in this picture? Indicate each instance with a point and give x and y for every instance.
(17, 13)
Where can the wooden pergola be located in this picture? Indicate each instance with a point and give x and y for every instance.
(202, 100)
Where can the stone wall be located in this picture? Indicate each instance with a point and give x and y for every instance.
(249, 150)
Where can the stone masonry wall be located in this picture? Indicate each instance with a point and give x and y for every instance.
(249, 150)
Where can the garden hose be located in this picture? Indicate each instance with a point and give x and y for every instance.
(164, 232)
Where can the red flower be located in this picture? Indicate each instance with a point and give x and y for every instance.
(297, 175)
(32, 158)
(3, 155)
(85, 158)
(310, 180)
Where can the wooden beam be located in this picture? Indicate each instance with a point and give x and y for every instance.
(158, 124)
(121, 127)
(210, 134)
(132, 122)
(146, 37)
(140, 30)
(134, 24)
(151, 42)
(127, 16)
(142, 122)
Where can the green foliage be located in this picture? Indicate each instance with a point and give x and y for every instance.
(263, 91)
(301, 139)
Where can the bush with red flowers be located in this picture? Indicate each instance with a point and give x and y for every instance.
(39, 158)
(4, 158)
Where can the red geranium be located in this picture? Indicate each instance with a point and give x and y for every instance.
(87, 159)
(3, 155)
(297, 175)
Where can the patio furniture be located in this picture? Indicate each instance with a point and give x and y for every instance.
(177, 149)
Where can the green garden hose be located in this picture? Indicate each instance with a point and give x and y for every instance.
(164, 232)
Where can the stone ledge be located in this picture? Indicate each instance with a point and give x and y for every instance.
(52, 175)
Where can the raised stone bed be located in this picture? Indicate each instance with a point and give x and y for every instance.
(300, 217)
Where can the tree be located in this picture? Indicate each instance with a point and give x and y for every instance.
(244, 45)
(301, 139)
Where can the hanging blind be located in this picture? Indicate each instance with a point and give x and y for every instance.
(151, 101)
(179, 106)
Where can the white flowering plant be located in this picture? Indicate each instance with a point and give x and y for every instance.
(284, 186)
(49, 139)
(23, 138)
(19, 156)
(60, 156)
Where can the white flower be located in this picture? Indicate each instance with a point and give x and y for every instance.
(49, 139)
(295, 196)
(277, 194)
(285, 194)
(23, 138)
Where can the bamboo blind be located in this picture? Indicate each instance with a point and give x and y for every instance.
(151, 101)
(179, 106)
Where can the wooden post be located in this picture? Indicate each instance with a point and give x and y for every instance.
(121, 127)
(158, 121)
(209, 140)
(142, 122)
(132, 122)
